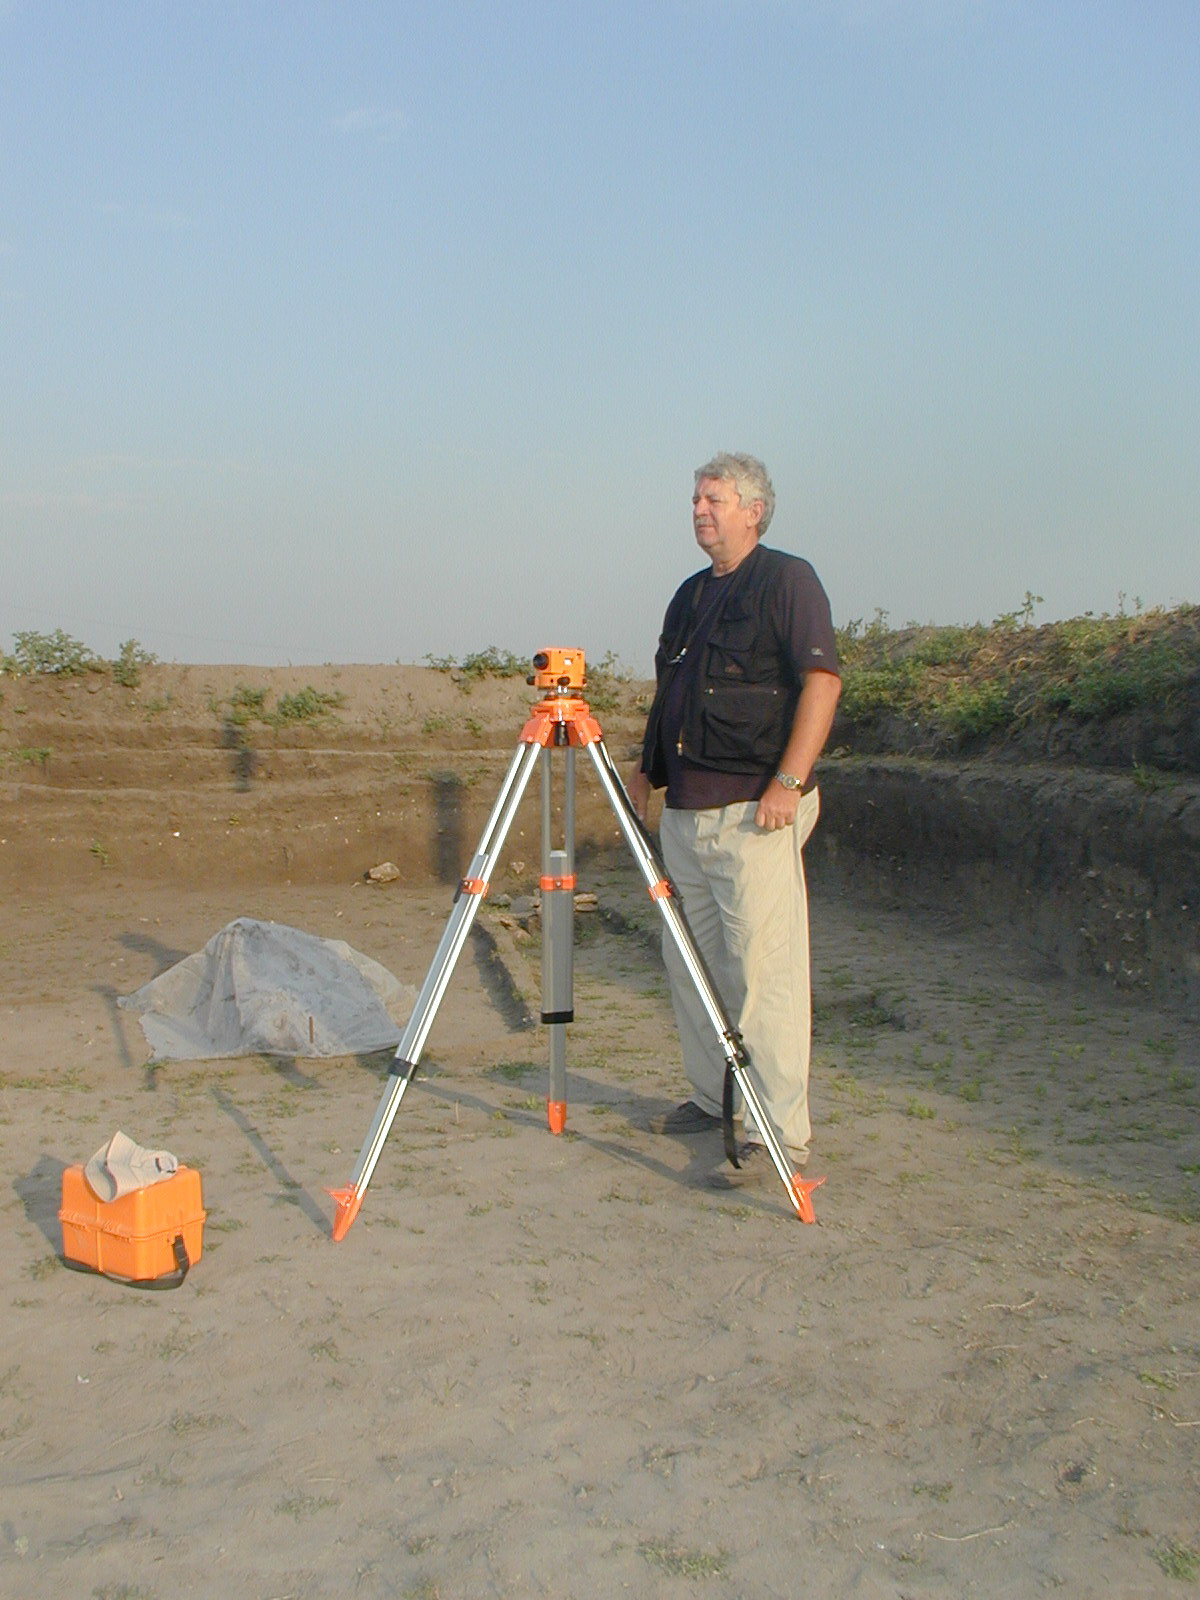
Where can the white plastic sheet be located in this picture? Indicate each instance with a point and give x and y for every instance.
(262, 988)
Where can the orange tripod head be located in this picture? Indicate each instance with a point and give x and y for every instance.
(555, 668)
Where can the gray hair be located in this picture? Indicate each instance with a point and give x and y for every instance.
(748, 476)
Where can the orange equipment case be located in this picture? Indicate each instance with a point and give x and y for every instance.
(134, 1237)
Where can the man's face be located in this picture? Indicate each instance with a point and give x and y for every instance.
(725, 529)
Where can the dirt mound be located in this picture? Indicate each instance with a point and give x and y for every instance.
(1115, 692)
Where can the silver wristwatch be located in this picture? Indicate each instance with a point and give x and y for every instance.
(788, 781)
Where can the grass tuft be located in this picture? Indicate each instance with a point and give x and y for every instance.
(678, 1562)
(1177, 1560)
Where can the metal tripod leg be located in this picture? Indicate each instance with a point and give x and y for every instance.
(558, 934)
(798, 1188)
(467, 900)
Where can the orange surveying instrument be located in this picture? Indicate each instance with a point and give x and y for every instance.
(561, 720)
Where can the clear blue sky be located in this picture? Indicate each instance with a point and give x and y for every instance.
(356, 331)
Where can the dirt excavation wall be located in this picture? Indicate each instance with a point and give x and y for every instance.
(175, 781)
(194, 777)
(1100, 875)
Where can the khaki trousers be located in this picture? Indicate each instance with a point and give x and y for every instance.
(743, 894)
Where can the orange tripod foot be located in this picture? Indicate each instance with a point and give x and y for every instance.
(802, 1190)
(348, 1201)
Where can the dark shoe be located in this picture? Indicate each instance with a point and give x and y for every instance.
(756, 1169)
(687, 1118)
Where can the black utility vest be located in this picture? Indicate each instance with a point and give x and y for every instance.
(742, 687)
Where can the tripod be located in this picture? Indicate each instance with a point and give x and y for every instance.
(562, 721)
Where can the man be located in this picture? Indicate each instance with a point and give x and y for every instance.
(747, 687)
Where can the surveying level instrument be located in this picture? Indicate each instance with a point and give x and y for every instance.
(558, 669)
(563, 721)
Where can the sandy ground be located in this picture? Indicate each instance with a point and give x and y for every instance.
(564, 1366)
(559, 1366)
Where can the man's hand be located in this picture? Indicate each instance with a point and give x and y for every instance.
(638, 790)
(778, 806)
(810, 729)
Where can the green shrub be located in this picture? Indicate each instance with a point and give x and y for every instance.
(307, 704)
(54, 653)
(247, 705)
(131, 658)
(948, 647)
(489, 663)
(1103, 676)
(869, 692)
(969, 710)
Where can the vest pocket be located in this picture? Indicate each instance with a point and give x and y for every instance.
(730, 655)
(745, 723)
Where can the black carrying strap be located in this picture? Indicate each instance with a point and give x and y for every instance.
(696, 624)
(168, 1280)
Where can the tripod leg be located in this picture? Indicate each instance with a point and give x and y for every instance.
(467, 899)
(799, 1189)
(558, 937)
